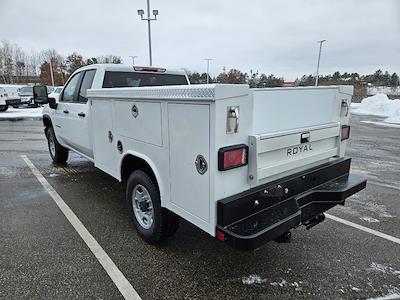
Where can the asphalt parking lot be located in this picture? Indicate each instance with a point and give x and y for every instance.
(43, 257)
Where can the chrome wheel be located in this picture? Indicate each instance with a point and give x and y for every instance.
(52, 145)
(142, 206)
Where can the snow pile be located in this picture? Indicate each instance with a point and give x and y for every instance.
(19, 113)
(379, 105)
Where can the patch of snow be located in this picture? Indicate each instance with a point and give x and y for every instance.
(356, 289)
(392, 296)
(13, 113)
(253, 279)
(379, 268)
(370, 220)
(379, 105)
(281, 283)
(53, 175)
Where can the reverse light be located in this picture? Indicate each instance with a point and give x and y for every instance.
(345, 134)
(232, 157)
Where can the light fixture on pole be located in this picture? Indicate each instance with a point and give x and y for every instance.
(133, 59)
(319, 59)
(208, 68)
(148, 19)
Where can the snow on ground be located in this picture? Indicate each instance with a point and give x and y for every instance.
(17, 113)
(391, 296)
(253, 279)
(379, 105)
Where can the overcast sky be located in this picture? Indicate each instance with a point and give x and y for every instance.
(276, 37)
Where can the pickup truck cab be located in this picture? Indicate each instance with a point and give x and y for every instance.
(71, 120)
(244, 165)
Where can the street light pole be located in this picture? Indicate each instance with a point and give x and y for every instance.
(51, 72)
(319, 59)
(148, 19)
(133, 59)
(208, 68)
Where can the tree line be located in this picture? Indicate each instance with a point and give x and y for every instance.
(20, 67)
(257, 80)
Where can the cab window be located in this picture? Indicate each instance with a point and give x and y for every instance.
(70, 92)
(87, 82)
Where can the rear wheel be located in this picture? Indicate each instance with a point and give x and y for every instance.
(3, 107)
(58, 153)
(152, 222)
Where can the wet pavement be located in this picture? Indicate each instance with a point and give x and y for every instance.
(42, 256)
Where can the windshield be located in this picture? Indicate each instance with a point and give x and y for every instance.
(136, 79)
(57, 90)
(26, 90)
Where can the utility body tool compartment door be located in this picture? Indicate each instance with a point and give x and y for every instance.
(139, 120)
(189, 137)
(104, 137)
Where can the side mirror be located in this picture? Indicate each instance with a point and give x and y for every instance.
(40, 94)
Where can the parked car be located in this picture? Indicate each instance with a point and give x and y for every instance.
(244, 165)
(26, 94)
(55, 93)
(9, 97)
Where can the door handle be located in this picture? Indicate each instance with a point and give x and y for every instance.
(81, 114)
(66, 111)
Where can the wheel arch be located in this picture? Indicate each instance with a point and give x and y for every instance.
(47, 121)
(132, 161)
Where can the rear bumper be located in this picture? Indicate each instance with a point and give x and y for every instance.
(252, 218)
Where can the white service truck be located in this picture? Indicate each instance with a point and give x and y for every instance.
(9, 96)
(245, 165)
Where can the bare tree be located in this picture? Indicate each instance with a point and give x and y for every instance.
(7, 61)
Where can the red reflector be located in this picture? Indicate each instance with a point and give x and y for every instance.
(345, 134)
(234, 158)
(220, 236)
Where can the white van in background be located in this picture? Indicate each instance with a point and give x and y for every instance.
(9, 96)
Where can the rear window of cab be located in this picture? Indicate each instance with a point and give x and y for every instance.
(114, 79)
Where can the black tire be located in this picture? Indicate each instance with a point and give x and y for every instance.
(3, 107)
(164, 223)
(15, 106)
(58, 153)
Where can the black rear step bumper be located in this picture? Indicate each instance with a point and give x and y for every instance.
(252, 218)
(13, 102)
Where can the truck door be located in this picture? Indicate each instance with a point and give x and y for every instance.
(77, 123)
(61, 115)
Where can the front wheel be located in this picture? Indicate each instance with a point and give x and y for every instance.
(58, 153)
(3, 107)
(152, 222)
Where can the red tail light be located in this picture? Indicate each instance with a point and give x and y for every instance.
(345, 134)
(232, 157)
